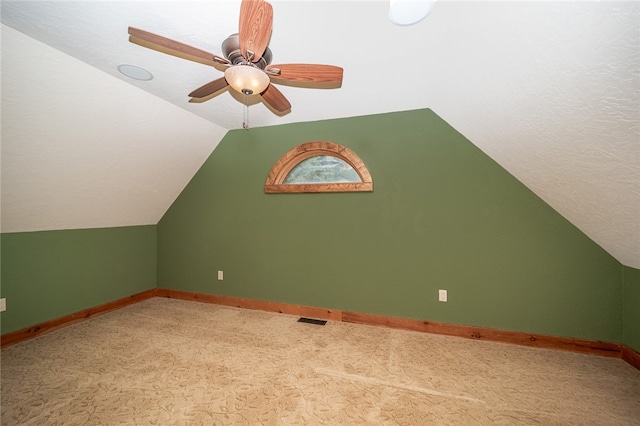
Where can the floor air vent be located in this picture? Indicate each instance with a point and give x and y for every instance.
(312, 321)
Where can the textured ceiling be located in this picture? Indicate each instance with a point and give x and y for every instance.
(550, 90)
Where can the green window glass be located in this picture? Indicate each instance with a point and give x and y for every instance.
(322, 169)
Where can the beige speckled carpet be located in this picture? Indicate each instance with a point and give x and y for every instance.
(172, 362)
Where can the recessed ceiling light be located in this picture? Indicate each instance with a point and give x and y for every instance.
(135, 72)
(409, 12)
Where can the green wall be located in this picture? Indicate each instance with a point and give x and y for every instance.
(443, 215)
(631, 309)
(49, 274)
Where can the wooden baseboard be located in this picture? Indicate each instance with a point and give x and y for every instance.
(48, 326)
(631, 356)
(490, 334)
(479, 333)
(259, 305)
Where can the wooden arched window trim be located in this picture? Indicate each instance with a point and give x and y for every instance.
(294, 156)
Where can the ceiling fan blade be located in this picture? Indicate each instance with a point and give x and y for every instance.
(276, 100)
(175, 48)
(209, 88)
(256, 19)
(306, 75)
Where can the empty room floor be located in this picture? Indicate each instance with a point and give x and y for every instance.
(173, 362)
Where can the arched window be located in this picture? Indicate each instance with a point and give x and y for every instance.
(319, 167)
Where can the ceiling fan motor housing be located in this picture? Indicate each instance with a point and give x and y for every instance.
(231, 51)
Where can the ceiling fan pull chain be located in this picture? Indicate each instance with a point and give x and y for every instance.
(245, 118)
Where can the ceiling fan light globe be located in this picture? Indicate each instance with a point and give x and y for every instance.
(247, 79)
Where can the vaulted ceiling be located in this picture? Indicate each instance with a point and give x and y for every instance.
(550, 90)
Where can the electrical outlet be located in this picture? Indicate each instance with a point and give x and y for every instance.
(3, 304)
(442, 295)
(220, 275)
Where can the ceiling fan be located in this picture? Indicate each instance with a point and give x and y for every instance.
(246, 61)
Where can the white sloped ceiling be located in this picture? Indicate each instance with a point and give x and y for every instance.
(549, 89)
(81, 149)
